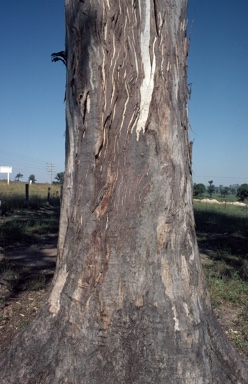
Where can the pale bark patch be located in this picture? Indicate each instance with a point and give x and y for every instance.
(149, 65)
(88, 103)
(166, 278)
(139, 302)
(54, 299)
(175, 318)
(169, 290)
(185, 273)
(186, 308)
(162, 229)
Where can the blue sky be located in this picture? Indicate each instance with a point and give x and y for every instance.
(32, 105)
(218, 71)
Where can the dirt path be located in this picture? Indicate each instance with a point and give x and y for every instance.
(36, 258)
(25, 276)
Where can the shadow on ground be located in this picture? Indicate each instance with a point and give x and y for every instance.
(224, 238)
(28, 249)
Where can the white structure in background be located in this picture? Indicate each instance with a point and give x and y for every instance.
(6, 169)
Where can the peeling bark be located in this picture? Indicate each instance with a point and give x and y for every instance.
(129, 302)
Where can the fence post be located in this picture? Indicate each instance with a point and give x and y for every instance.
(0, 208)
(48, 195)
(27, 194)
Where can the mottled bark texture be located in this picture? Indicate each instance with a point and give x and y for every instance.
(129, 302)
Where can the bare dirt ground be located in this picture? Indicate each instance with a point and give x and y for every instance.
(26, 274)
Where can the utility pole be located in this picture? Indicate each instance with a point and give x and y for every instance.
(50, 168)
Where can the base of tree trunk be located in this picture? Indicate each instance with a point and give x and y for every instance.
(135, 349)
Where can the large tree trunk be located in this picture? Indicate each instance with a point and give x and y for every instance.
(129, 302)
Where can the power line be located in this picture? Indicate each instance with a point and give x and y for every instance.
(50, 168)
(220, 177)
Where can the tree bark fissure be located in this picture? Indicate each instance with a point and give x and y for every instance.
(129, 302)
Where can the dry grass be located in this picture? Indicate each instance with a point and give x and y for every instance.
(13, 195)
(222, 233)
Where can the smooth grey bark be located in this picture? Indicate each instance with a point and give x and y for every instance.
(129, 302)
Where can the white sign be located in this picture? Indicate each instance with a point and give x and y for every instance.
(6, 169)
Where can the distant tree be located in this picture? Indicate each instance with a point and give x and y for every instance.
(224, 191)
(233, 188)
(242, 192)
(59, 178)
(232, 191)
(211, 188)
(32, 178)
(18, 176)
(199, 190)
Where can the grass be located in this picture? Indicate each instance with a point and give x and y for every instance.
(222, 232)
(36, 283)
(25, 227)
(8, 271)
(225, 288)
(22, 224)
(13, 195)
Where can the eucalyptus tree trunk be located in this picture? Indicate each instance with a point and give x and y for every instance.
(129, 303)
